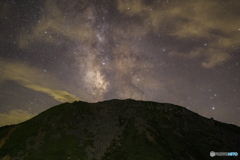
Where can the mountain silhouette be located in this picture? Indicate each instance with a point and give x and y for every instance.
(118, 130)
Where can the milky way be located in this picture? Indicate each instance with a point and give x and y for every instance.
(181, 52)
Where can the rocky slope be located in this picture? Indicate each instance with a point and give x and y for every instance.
(118, 130)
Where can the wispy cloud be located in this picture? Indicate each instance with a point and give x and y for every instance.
(209, 22)
(54, 23)
(15, 117)
(34, 79)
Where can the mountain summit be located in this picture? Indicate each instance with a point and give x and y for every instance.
(118, 130)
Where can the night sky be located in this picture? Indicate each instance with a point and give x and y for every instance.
(182, 52)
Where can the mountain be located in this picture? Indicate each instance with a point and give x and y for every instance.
(118, 130)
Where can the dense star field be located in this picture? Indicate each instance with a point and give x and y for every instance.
(181, 52)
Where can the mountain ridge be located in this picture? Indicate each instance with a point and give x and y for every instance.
(117, 129)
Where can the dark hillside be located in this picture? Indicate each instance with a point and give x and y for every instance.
(118, 129)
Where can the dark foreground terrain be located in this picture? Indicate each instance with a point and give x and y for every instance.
(118, 130)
